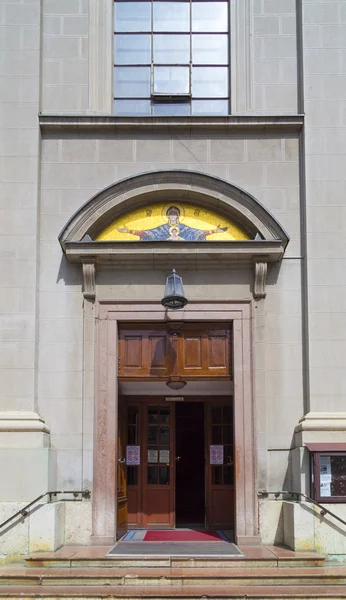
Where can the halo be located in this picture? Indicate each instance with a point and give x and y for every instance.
(167, 206)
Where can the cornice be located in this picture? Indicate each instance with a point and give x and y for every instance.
(250, 123)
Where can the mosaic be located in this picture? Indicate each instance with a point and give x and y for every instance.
(174, 222)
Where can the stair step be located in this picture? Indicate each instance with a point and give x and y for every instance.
(174, 561)
(165, 593)
(173, 577)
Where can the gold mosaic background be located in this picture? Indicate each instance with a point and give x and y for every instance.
(154, 215)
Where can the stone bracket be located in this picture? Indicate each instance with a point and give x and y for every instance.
(260, 280)
(89, 280)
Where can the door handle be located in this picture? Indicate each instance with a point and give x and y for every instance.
(178, 458)
(122, 461)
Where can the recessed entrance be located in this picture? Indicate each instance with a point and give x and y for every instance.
(190, 465)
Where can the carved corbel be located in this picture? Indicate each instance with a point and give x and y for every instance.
(260, 281)
(89, 281)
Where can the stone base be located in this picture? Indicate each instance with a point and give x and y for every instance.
(47, 527)
(300, 526)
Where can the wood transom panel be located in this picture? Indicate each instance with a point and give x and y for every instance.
(190, 351)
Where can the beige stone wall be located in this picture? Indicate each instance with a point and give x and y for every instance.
(275, 57)
(65, 67)
(74, 168)
(19, 152)
(325, 104)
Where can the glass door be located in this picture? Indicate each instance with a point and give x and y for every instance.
(158, 466)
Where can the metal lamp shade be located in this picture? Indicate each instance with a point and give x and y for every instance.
(174, 297)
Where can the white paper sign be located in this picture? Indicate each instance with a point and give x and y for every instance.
(325, 466)
(164, 456)
(133, 455)
(325, 488)
(216, 455)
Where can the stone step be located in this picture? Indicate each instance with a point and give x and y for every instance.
(173, 577)
(329, 592)
(80, 561)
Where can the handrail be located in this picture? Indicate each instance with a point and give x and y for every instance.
(25, 511)
(324, 511)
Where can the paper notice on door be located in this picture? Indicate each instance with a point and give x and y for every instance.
(133, 455)
(164, 457)
(216, 455)
(153, 455)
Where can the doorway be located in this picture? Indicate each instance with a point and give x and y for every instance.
(190, 465)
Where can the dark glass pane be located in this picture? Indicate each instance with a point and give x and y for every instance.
(132, 475)
(171, 16)
(132, 16)
(138, 108)
(164, 415)
(171, 109)
(132, 435)
(216, 434)
(228, 455)
(171, 49)
(228, 475)
(153, 473)
(217, 475)
(227, 434)
(164, 476)
(338, 469)
(152, 435)
(216, 415)
(153, 412)
(227, 415)
(132, 415)
(210, 107)
(209, 16)
(164, 435)
(209, 82)
(171, 80)
(132, 49)
(210, 49)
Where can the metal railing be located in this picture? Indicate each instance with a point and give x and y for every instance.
(25, 511)
(295, 496)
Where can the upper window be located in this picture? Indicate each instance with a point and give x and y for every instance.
(171, 58)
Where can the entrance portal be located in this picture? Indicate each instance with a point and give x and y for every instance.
(190, 465)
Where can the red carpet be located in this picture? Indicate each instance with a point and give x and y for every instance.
(181, 535)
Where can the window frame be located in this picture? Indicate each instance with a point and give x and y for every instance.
(316, 479)
(177, 98)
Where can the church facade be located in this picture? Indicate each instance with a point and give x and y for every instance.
(138, 138)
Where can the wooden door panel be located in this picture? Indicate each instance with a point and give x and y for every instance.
(144, 353)
(222, 508)
(217, 351)
(192, 354)
(121, 477)
(157, 507)
(204, 352)
(134, 352)
(157, 352)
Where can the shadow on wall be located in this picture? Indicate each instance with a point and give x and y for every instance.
(71, 274)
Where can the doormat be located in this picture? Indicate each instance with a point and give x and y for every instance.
(184, 535)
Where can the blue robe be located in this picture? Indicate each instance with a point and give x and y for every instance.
(161, 233)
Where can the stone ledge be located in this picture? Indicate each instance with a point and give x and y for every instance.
(12, 421)
(281, 123)
(322, 427)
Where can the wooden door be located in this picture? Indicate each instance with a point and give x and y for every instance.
(144, 352)
(220, 476)
(204, 352)
(121, 477)
(158, 466)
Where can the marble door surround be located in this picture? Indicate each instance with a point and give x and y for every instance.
(108, 315)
